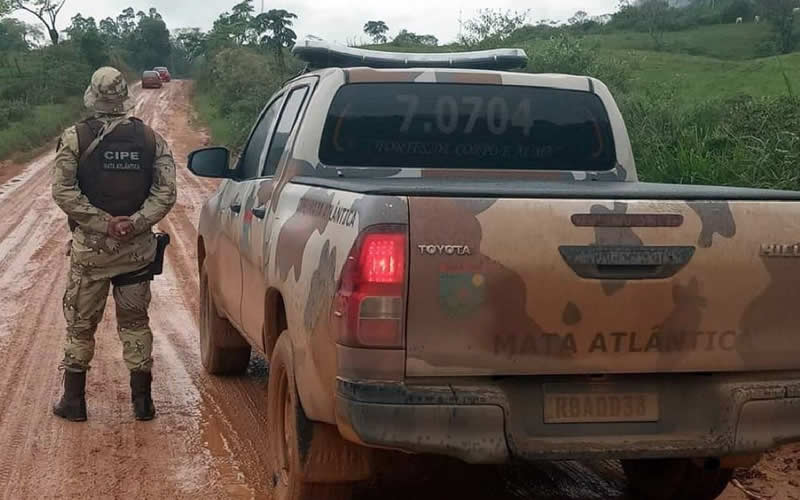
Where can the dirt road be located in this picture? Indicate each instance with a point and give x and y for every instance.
(207, 441)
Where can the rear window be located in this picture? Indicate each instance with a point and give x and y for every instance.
(149, 74)
(437, 125)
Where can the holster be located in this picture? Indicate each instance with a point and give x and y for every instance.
(147, 273)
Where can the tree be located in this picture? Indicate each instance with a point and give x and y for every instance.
(240, 21)
(193, 42)
(18, 35)
(126, 22)
(492, 25)
(780, 14)
(235, 27)
(150, 42)
(655, 16)
(377, 30)
(80, 25)
(274, 31)
(45, 10)
(109, 29)
(84, 32)
(580, 17)
(407, 38)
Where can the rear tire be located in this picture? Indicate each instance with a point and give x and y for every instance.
(223, 351)
(290, 435)
(675, 478)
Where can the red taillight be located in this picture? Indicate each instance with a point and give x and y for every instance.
(382, 258)
(370, 304)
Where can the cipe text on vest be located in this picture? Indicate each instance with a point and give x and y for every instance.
(125, 160)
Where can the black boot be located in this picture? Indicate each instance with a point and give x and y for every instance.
(143, 408)
(73, 403)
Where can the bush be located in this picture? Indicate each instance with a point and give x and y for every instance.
(45, 76)
(566, 54)
(238, 82)
(37, 125)
(742, 141)
(12, 111)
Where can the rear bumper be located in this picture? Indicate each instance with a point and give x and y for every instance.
(494, 421)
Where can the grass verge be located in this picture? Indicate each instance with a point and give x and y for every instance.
(223, 131)
(42, 124)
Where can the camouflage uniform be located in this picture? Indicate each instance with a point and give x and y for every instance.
(96, 257)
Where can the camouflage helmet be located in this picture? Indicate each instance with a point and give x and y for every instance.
(108, 92)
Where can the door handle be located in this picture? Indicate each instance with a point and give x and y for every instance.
(259, 212)
(236, 207)
(626, 262)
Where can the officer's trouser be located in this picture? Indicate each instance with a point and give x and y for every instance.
(84, 303)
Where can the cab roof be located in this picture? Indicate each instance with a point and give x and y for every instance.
(446, 75)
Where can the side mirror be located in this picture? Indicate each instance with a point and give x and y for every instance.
(210, 162)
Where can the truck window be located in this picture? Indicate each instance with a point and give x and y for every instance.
(439, 125)
(252, 153)
(289, 116)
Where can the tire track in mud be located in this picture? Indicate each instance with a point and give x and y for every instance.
(226, 400)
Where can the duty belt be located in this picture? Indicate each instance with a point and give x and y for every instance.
(147, 273)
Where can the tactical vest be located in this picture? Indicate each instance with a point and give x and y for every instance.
(117, 175)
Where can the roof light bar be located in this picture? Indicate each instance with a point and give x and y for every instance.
(321, 54)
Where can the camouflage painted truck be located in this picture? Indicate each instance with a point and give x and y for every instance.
(443, 258)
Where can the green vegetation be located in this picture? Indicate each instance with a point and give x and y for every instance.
(744, 141)
(38, 125)
(223, 130)
(376, 30)
(704, 103)
(41, 87)
(722, 41)
(701, 78)
(234, 86)
(47, 76)
(239, 64)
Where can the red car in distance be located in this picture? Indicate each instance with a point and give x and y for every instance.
(151, 80)
(163, 73)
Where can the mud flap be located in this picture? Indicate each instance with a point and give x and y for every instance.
(326, 457)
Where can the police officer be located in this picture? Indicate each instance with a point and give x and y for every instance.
(114, 177)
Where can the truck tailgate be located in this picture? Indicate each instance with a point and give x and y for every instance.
(567, 286)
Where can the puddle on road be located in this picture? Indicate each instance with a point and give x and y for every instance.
(231, 478)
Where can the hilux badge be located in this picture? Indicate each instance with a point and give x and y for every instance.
(777, 250)
(437, 249)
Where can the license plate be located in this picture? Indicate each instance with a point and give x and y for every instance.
(586, 407)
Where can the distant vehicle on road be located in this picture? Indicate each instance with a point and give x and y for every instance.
(151, 80)
(444, 257)
(163, 73)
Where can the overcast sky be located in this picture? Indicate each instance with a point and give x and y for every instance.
(338, 20)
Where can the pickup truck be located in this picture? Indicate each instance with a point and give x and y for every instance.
(441, 256)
